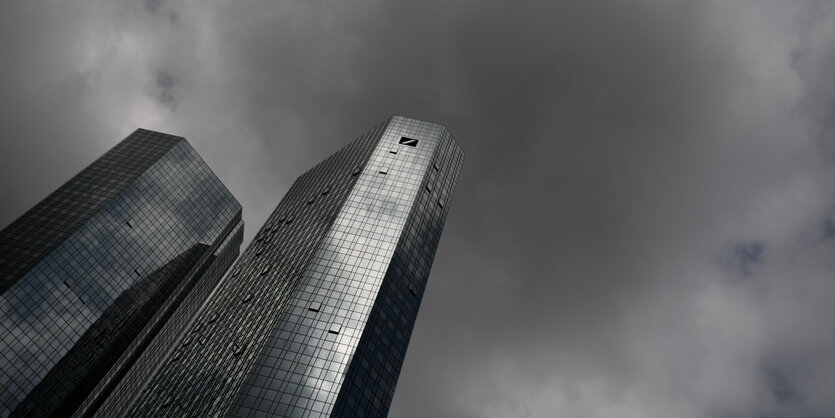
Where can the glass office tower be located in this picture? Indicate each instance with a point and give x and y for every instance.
(315, 317)
(98, 278)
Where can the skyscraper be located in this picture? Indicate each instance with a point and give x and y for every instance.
(315, 317)
(100, 276)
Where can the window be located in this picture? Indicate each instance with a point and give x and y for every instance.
(326, 191)
(394, 151)
(335, 328)
(315, 306)
(408, 141)
(441, 202)
(428, 187)
(435, 165)
(239, 349)
(248, 297)
(356, 171)
(310, 202)
(384, 170)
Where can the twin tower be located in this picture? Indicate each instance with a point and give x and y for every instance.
(123, 294)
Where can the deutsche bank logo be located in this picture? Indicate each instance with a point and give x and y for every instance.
(408, 141)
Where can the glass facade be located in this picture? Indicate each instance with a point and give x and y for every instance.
(102, 268)
(315, 317)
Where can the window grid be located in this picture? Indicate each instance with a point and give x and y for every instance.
(71, 314)
(302, 368)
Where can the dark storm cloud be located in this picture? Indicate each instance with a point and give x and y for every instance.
(638, 227)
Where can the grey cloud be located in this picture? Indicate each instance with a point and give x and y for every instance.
(615, 152)
(742, 259)
(165, 85)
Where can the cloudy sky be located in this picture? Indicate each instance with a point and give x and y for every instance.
(645, 222)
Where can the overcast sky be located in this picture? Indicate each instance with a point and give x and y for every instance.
(645, 221)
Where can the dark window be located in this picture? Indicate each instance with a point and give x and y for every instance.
(408, 141)
(239, 349)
